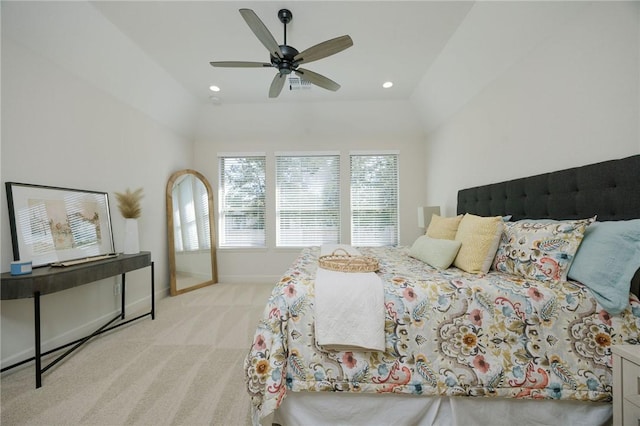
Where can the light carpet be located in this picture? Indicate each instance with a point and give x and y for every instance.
(183, 368)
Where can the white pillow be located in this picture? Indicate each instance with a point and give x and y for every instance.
(438, 253)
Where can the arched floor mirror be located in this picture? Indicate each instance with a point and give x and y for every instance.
(190, 232)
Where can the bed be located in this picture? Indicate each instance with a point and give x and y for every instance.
(505, 332)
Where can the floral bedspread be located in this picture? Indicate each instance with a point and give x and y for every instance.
(448, 333)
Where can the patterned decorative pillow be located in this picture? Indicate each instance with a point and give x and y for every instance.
(541, 250)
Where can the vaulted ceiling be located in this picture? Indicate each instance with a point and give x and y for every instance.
(393, 41)
(155, 55)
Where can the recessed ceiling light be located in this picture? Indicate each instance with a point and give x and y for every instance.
(387, 84)
(214, 88)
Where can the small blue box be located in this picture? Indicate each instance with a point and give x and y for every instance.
(21, 268)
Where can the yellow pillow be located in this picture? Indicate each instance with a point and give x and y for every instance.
(479, 237)
(443, 227)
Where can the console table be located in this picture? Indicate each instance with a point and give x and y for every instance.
(46, 280)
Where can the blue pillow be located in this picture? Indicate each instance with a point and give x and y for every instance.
(606, 261)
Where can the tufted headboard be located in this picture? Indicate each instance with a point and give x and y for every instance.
(609, 189)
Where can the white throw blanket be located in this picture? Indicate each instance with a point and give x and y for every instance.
(349, 307)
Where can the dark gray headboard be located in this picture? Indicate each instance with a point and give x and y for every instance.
(610, 189)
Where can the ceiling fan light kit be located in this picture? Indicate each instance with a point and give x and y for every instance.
(286, 59)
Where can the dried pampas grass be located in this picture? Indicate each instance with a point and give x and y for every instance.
(129, 203)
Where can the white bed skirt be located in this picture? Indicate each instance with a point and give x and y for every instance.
(316, 409)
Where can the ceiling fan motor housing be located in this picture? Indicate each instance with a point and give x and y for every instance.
(285, 64)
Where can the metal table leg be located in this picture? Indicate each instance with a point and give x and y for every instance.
(153, 293)
(123, 291)
(38, 349)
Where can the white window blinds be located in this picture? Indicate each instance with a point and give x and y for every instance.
(374, 200)
(242, 201)
(307, 200)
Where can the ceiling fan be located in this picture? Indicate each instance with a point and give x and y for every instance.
(286, 58)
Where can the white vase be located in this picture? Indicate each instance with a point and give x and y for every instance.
(131, 241)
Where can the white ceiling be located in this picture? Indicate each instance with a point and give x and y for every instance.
(154, 55)
(393, 40)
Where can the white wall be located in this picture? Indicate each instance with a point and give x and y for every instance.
(570, 97)
(60, 129)
(77, 37)
(330, 126)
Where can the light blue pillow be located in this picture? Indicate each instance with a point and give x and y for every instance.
(438, 253)
(606, 261)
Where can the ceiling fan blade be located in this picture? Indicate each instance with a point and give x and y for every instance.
(240, 64)
(324, 49)
(317, 79)
(277, 84)
(262, 32)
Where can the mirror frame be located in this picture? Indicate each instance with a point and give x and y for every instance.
(171, 237)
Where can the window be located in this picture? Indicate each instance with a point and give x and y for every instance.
(374, 200)
(191, 215)
(242, 201)
(307, 199)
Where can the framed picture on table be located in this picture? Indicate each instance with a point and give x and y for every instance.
(51, 224)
